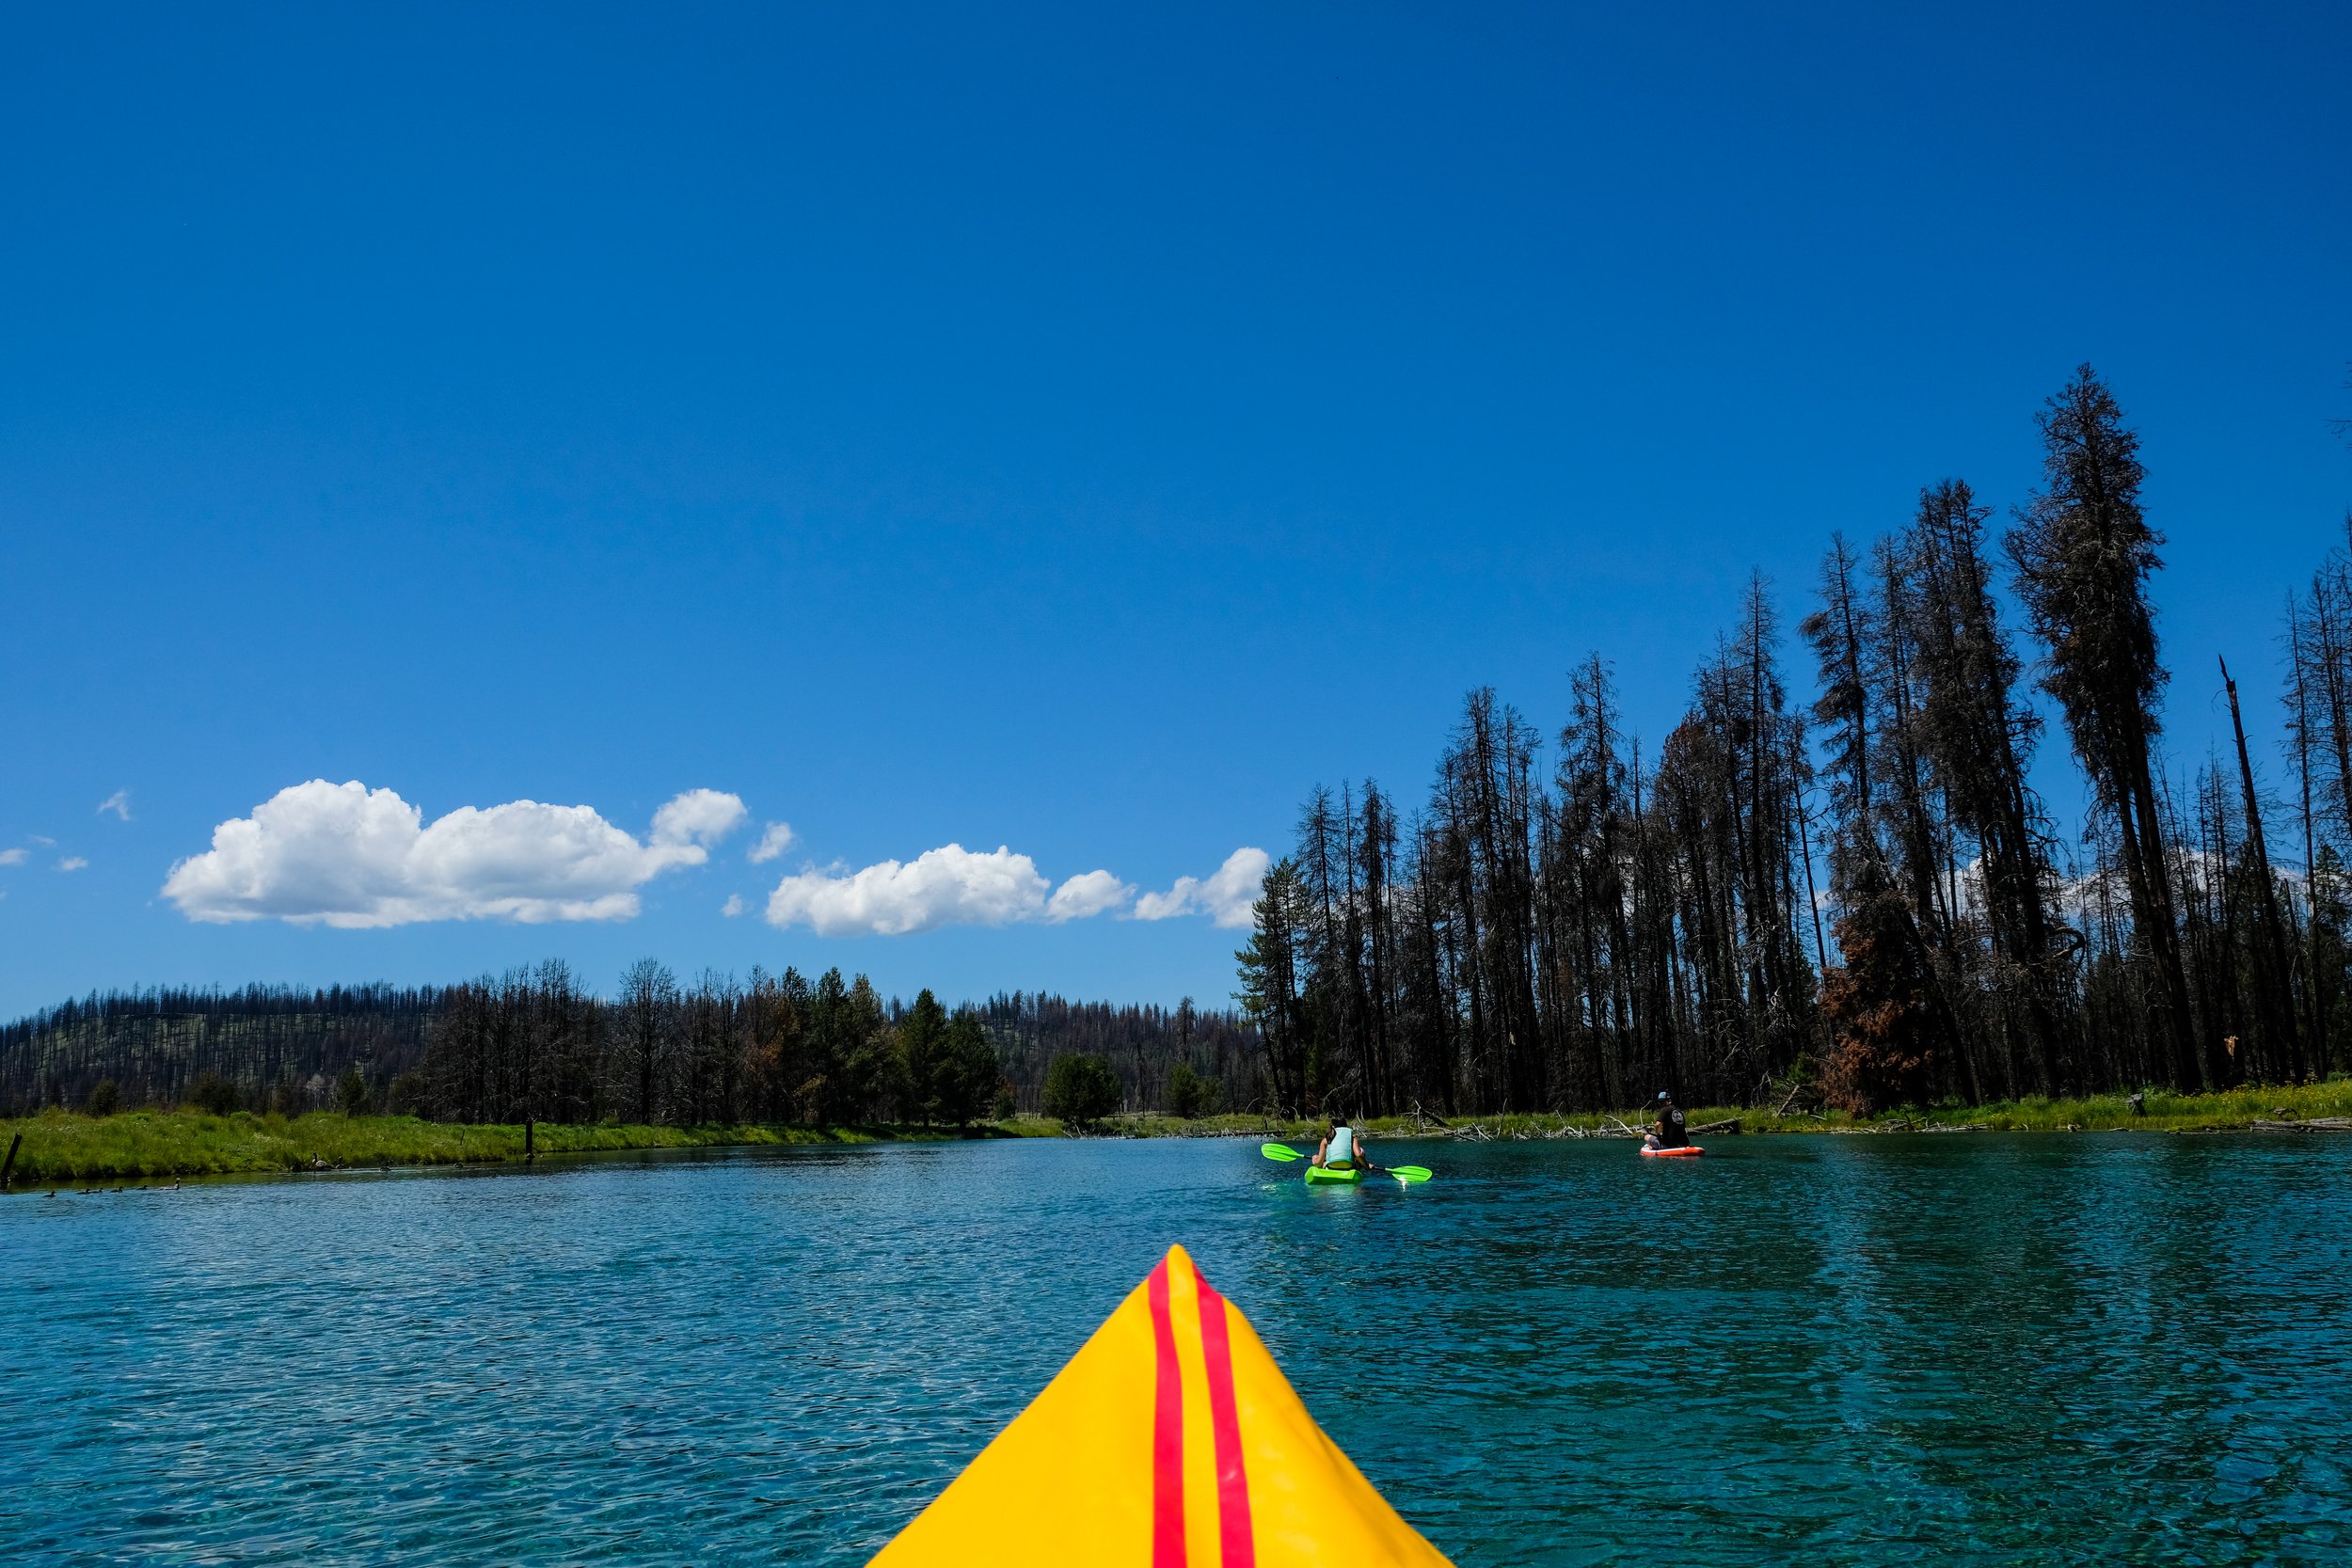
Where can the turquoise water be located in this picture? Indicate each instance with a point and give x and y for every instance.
(2013, 1350)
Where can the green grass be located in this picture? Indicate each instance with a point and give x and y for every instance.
(65, 1147)
(2165, 1112)
(2232, 1110)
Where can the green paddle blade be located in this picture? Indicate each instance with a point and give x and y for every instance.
(1280, 1151)
(1409, 1173)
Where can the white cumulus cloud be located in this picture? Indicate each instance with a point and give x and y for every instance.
(15, 857)
(1224, 896)
(347, 855)
(732, 907)
(71, 863)
(698, 817)
(955, 886)
(1087, 893)
(774, 842)
(946, 886)
(119, 802)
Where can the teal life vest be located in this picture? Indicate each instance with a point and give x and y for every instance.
(1342, 1150)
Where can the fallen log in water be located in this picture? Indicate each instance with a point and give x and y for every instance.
(1729, 1124)
(2317, 1124)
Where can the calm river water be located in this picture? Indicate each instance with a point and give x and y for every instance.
(1984, 1349)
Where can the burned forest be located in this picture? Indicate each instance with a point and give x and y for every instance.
(1838, 879)
(1835, 878)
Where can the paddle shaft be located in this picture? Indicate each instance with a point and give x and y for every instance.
(1284, 1153)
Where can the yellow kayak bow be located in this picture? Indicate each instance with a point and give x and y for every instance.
(1171, 1440)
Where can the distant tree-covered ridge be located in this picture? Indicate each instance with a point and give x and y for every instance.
(1862, 896)
(535, 1042)
(158, 1043)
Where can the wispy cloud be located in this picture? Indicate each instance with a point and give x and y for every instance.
(732, 907)
(774, 842)
(345, 855)
(71, 863)
(15, 857)
(119, 802)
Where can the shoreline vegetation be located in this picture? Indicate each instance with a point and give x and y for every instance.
(66, 1147)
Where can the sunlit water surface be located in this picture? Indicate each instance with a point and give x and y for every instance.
(1968, 1349)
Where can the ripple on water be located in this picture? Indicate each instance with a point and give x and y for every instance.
(1982, 1349)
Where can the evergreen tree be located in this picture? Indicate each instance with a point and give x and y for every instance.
(1268, 990)
(930, 1072)
(1080, 1090)
(1979, 739)
(968, 1077)
(2084, 551)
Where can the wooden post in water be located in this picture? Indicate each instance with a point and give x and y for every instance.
(531, 1155)
(8, 1166)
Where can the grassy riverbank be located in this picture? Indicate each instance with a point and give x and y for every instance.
(64, 1147)
(2234, 1111)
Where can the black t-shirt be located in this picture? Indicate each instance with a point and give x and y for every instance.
(1670, 1132)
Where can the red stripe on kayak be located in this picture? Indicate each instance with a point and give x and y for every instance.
(1237, 1548)
(1167, 1432)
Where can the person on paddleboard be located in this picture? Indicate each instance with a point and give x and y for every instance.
(1340, 1148)
(1668, 1131)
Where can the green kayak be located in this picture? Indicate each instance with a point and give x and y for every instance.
(1319, 1174)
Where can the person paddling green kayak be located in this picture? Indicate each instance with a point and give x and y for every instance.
(1342, 1150)
(1319, 1173)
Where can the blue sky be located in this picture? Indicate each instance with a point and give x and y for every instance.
(1077, 429)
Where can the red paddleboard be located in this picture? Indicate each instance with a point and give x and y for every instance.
(1685, 1152)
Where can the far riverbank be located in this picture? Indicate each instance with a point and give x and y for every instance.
(2240, 1110)
(65, 1147)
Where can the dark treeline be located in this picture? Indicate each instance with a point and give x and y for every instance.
(772, 1048)
(155, 1045)
(1144, 1046)
(1858, 891)
(534, 1043)
(783, 1048)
